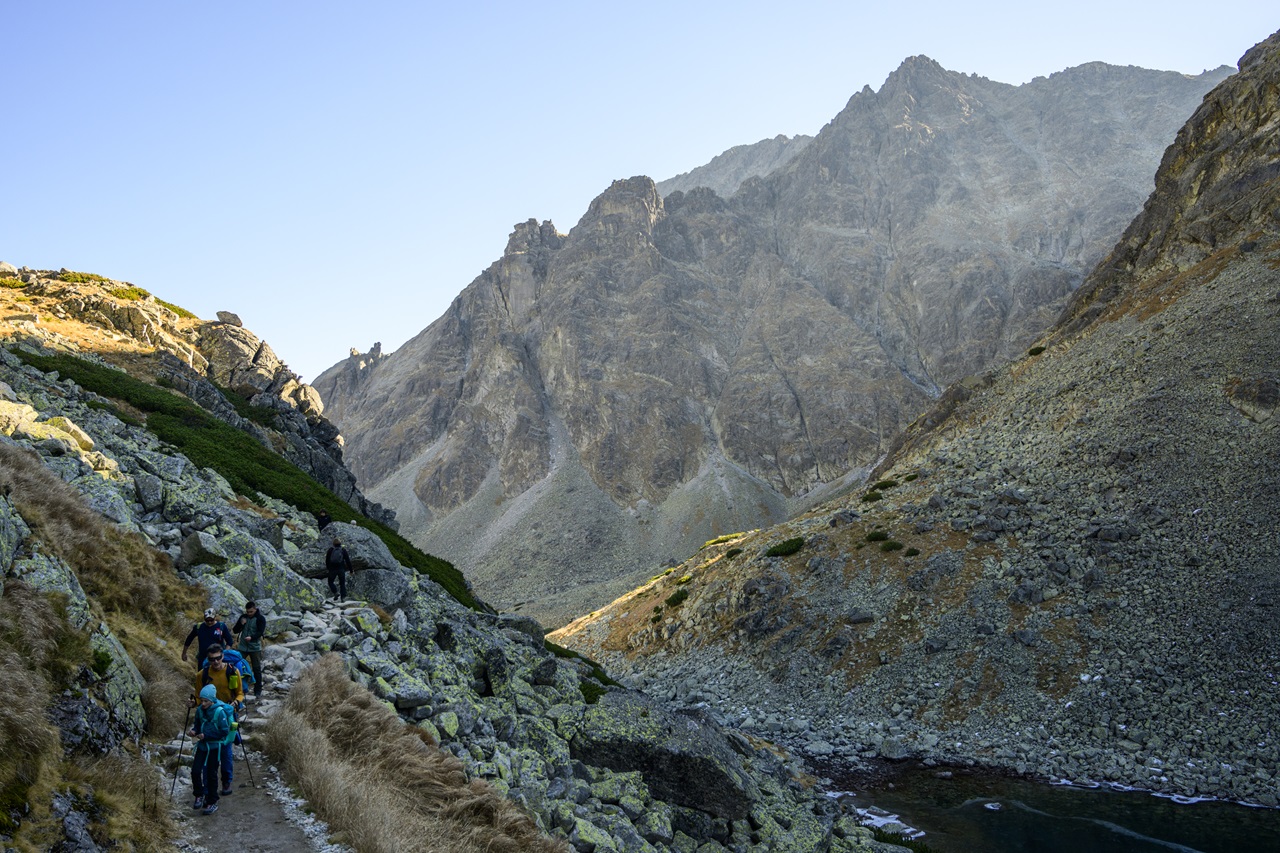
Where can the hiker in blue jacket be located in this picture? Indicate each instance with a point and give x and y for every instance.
(211, 730)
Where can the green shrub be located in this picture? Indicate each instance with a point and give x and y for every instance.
(1035, 350)
(591, 692)
(911, 477)
(872, 496)
(877, 536)
(129, 294)
(911, 552)
(731, 553)
(81, 277)
(247, 465)
(12, 283)
(786, 548)
(891, 545)
(681, 581)
(677, 598)
(655, 618)
(102, 661)
(177, 309)
(261, 415)
(885, 484)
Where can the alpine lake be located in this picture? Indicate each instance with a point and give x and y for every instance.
(958, 810)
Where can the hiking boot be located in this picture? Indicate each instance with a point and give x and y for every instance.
(210, 809)
(198, 804)
(226, 791)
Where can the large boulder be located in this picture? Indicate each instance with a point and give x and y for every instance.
(366, 549)
(201, 549)
(385, 587)
(684, 760)
(277, 582)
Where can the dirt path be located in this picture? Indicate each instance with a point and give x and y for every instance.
(260, 816)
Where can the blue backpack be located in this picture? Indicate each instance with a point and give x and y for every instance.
(234, 658)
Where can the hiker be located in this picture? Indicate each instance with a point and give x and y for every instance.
(225, 681)
(208, 632)
(251, 626)
(338, 562)
(322, 520)
(212, 732)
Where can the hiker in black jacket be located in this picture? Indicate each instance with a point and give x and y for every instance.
(208, 632)
(338, 562)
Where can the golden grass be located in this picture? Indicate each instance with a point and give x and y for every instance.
(380, 783)
(118, 569)
(130, 796)
(30, 628)
(135, 589)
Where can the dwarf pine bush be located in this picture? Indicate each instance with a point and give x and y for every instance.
(786, 548)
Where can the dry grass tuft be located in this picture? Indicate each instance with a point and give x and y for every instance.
(375, 779)
(165, 695)
(116, 568)
(132, 802)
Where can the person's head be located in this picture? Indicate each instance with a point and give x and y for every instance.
(337, 543)
(210, 616)
(208, 693)
(215, 656)
(251, 607)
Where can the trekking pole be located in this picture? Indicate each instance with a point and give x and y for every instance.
(244, 750)
(181, 744)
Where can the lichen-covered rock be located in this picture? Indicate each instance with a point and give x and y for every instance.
(275, 581)
(681, 758)
(224, 598)
(47, 573)
(13, 533)
(202, 549)
(120, 687)
(386, 587)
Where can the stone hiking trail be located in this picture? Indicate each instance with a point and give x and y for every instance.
(262, 814)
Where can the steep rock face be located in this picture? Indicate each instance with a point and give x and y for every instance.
(726, 172)
(1065, 568)
(712, 365)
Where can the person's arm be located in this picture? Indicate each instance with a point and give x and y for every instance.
(195, 631)
(239, 626)
(346, 558)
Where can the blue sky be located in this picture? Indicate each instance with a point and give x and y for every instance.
(336, 173)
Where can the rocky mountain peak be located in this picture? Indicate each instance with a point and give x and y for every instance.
(628, 205)
(529, 236)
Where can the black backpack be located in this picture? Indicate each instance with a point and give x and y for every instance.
(334, 560)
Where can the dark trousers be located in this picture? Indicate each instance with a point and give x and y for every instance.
(204, 772)
(341, 576)
(228, 761)
(255, 661)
